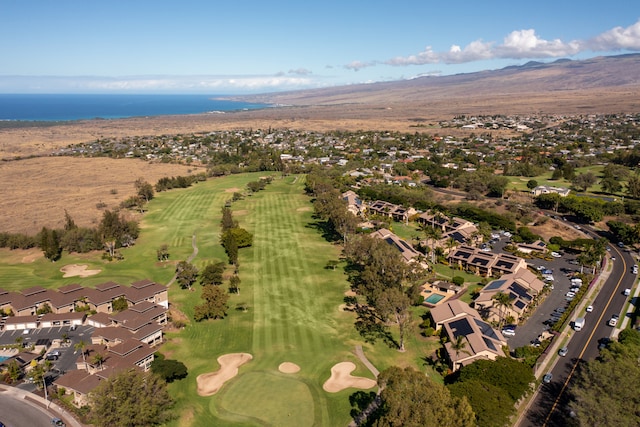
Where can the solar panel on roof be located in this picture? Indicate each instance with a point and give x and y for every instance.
(520, 304)
(460, 327)
(489, 344)
(520, 291)
(494, 285)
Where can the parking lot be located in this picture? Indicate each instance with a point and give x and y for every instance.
(51, 338)
(560, 268)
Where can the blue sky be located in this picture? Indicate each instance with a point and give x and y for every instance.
(248, 46)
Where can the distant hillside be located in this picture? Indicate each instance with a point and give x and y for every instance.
(601, 84)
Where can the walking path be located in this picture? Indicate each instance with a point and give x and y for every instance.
(366, 362)
(189, 259)
(362, 417)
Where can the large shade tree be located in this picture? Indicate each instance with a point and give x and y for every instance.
(409, 398)
(130, 399)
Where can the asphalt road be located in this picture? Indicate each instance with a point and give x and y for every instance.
(551, 405)
(15, 412)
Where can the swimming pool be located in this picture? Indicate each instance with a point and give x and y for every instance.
(434, 298)
(3, 358)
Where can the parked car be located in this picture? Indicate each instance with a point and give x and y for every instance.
(589, 308)
(563, 351)
(614, 320)
(627, 292)
(570, 294)
(547, 378)
(556, 255)
(509, 332)
(634, 269)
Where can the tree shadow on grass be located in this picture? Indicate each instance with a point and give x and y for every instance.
(371, 329)
(326, 230)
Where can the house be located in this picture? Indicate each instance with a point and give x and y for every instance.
(537, 246)
(396, 212)
(102, 296)
(458, 229)
(13, 323)
(522, 287)
(354, 204)
(51, 320)
(485, 263)
(407, 251)
(545, 189)
(469, 338)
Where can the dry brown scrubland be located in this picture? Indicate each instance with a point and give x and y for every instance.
(37, 190)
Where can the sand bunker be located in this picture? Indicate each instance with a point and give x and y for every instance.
(341, 379)
(288, 368)
(79, 270)
(211, 382)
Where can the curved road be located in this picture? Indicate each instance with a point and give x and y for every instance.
(16, 412)
(550, 406)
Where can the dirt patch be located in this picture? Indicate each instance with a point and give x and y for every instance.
(233, 190)
(304, 209)
(553, 228)
(212, 382)
(78, 270)
(36, 192)
(241, 212)
(341, 379)
(288, 368)
(31, 255)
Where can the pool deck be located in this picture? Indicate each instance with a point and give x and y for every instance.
(430, 292)
(9, 352)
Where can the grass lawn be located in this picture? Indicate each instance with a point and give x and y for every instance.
(519, 183)
(293, 304)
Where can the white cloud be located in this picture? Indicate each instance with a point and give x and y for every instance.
(526, 44)
(300, 72)
(145, 84)
(427, 56)
(358, 65)
(617, 38)
(518, 44)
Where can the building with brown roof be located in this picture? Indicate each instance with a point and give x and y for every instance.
(406, 250)
(485, 263)
(469, 337)
(522, 287)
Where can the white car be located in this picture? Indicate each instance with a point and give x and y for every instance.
(556, 255)
(634, 270)
(589, 308)
(508, 332)
(570, 294)
(627, 292)
(614, 320)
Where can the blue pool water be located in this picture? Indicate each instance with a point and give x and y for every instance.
(434, 299)
(3, 358)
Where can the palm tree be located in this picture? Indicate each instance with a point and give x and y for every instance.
(97, 359)
(459, 346)
(503, 301)
(82, 345)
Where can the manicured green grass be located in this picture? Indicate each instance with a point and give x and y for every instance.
(293, 305)
(293, 317)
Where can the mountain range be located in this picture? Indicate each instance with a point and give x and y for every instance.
(606, 84)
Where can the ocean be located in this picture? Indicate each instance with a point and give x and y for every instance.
(36, 107)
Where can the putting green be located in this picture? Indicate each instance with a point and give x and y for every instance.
(251, 396)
